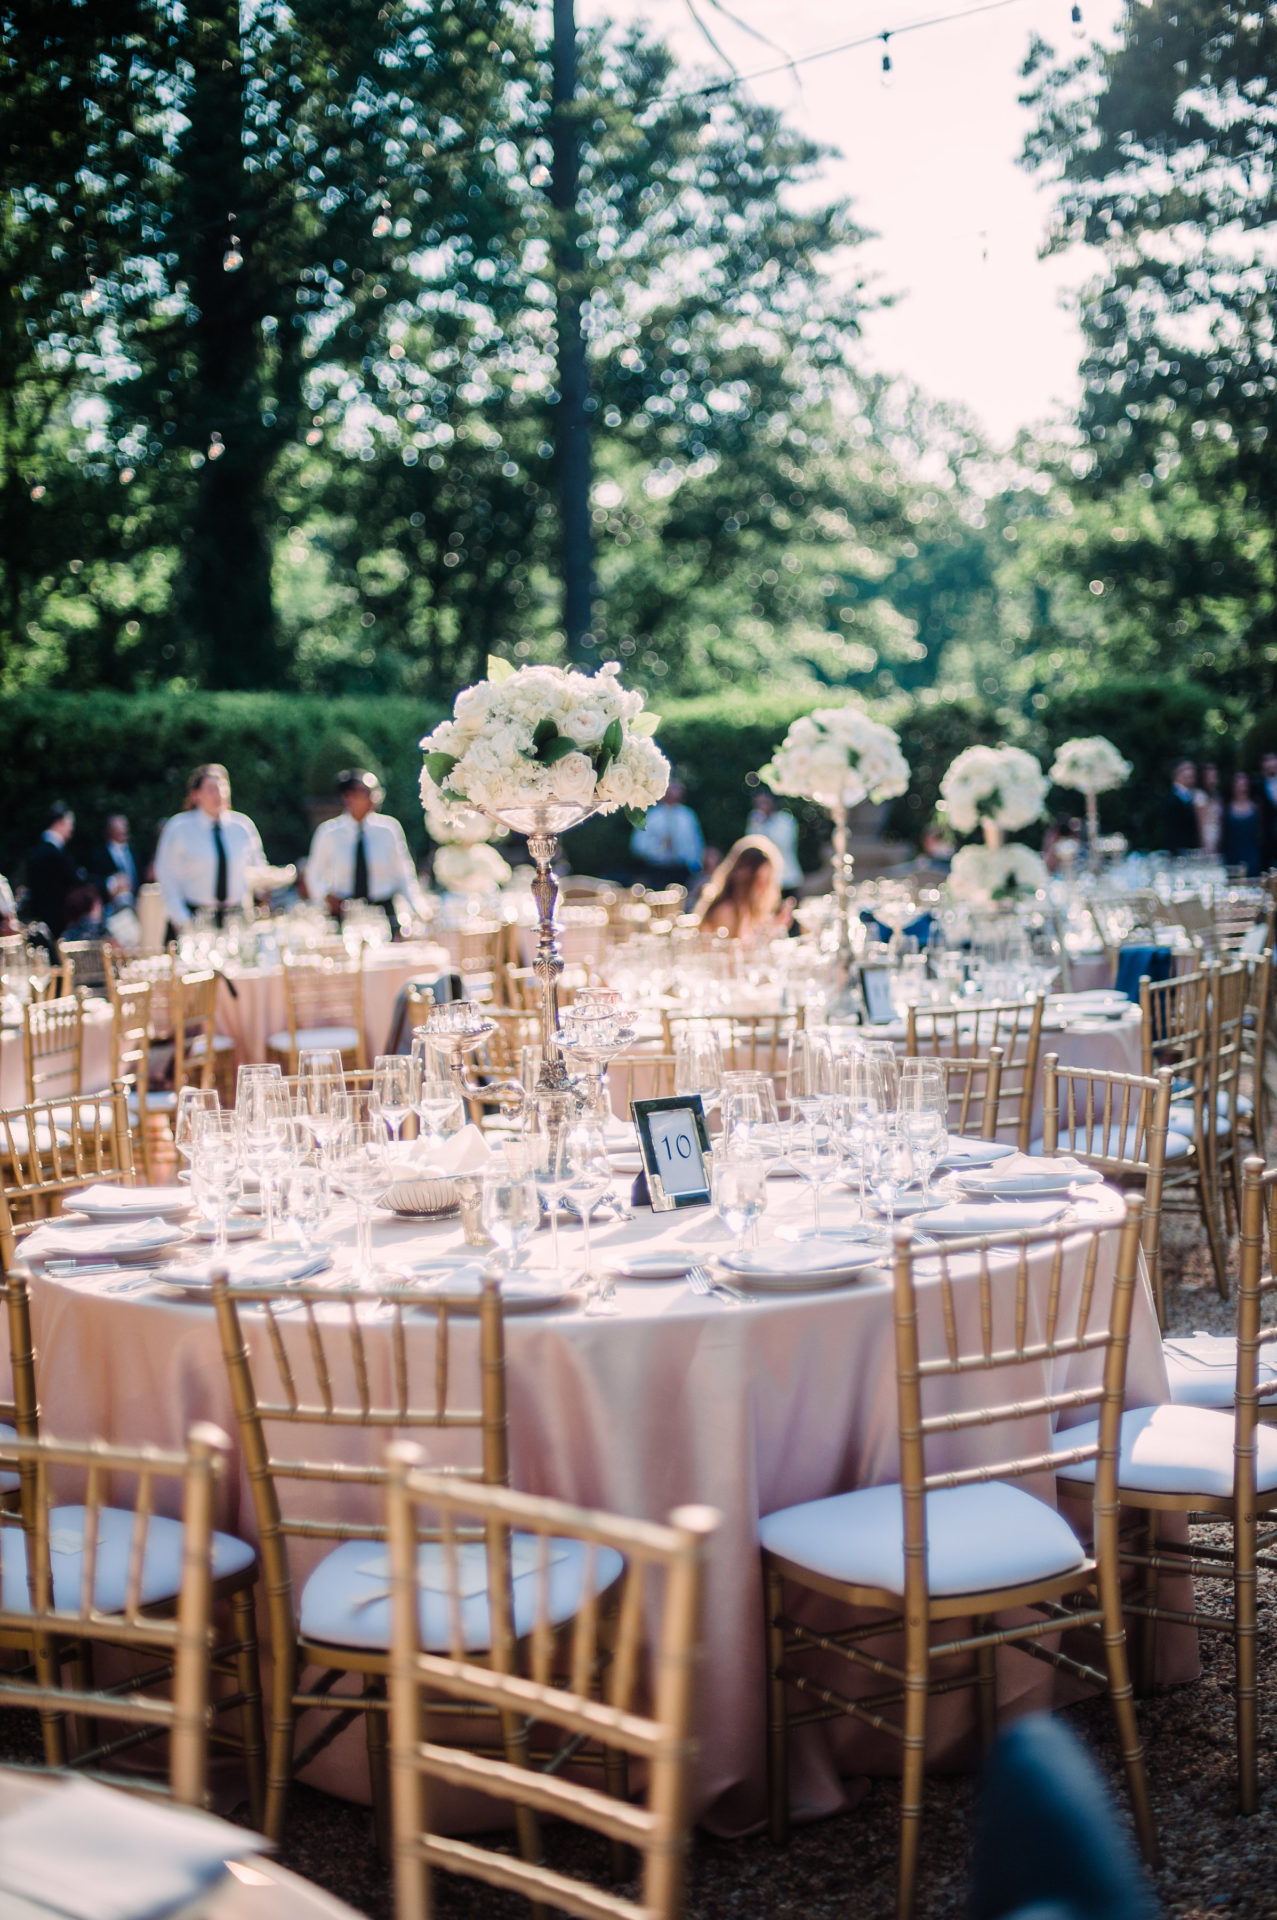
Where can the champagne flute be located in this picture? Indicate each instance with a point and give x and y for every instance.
(738, 1190)
(262, 1111)
(395, 1081)
(588, 1176)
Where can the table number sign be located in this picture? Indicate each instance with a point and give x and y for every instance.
(674, 1144)
(875, 987)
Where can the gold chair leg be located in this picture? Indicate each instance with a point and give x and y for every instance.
(248, 1679)
(1244, 1641)
(987, 1686)
(377, 1734)
(279, 1747)
(912, 1777)
(1150, 1586)
(777, 1712)
(1109, 1585)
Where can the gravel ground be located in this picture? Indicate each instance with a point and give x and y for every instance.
(1215, 1861)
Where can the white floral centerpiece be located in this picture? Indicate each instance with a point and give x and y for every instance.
(991, 874)
(477, 868)
(1090, 765)
(838, 756)
(543, 741)
(996, 788)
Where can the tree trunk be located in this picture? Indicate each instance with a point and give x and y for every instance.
(572, 436)
(224, 591)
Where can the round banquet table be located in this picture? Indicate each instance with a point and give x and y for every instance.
(252, 1888)
(95, 1062)
(255, 1009)
(674, 1398)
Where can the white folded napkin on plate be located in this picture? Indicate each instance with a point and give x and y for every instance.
(992, 1216)
(464, 1152)
(131, 1202)
(1021, 1173)
(90, 1853)
(249, 1266)
(101, 1236)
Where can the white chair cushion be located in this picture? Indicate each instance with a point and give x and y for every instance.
(1184, 1119)
(8, 1480)
(161, 1565)
(1202, 1369)
(93, 1114)
(346, 1601)
(344, 1038)
(978, 1538)
(1082, 1142)
(1175, 1449)
(198, 1047)
(163, 1100)
(44, 1137)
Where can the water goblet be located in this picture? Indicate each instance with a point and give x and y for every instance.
(396, 1079)
(816, 1156)
(925, 1134)
(511, 1205)
(190, 1102)
(438, 1099)
(306, 1201)
(738, 1190)
(320, 1079)
(215, 1172)
(360, 1168)
(890, 1169)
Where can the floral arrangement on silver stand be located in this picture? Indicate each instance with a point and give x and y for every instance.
(1090, 766)
(839, 756)
(540, 749)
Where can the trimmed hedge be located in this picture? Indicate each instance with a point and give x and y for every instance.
(102, 751)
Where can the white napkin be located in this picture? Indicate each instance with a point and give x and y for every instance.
(464, 1152)
(1021, 1172)
(90, 1853)
(130, 1201)
(989, 1216)
(249, 1266)
(101, 1236)
(467, 1281)
(1216, 1351)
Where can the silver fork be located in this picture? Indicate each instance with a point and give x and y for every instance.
(701, 1280)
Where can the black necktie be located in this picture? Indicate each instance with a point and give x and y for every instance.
(360, 888)
(219, 847)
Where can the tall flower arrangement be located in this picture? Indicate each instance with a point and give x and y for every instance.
(988, 874)
(1002, 788)
(838, 756)
(537, 736)
(1090, 765)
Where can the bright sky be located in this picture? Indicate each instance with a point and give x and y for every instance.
(930, 163)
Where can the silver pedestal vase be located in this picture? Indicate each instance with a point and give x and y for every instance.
(844, 1002)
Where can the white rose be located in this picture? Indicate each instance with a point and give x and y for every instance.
(572, 779)
(470, 708)
(586, 725)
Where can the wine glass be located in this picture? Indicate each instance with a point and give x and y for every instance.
(511, 1204)
(923, 1131)
(547, 1153)
(438, 1099)
(588, 1175)
(890, 1168)
(262, 1113)
(306, 1201)
(215, 1172)
(395, 1081)
(360, 1168)
(252, 1075)
(809, 1073)
(190, 1102)
(698, 1063)
(738, 1190)
(857, 1111)
(816, 1155)
(882, 1055)
(320, 1080)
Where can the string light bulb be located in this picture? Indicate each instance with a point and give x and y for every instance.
(887, 76)
(232, 259)
(1078, 30)
(381, 226)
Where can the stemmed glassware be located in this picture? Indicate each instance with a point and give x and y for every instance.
(396, 1080)
(588, 1175)
(438, 1102)
(191, 1102)
(320, 1081)
(215, 1172)
(359, 1166)
(738, 1191)
(547, 1153)
(809, 1073)
(511, 1204)
(816, 1155)
(890, 1164)
(859, 1109)
(306, 1201)
(263, 1113)
(698, 1063)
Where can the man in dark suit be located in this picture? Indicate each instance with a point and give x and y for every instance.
(51, 872)
(114, 868)
(1179, 811)
(1265, 791)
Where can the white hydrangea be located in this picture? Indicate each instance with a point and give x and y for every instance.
(1003, 785)
(469, 869)
(1090, 765)
(838, 755)
(531, 735)
(985, 874)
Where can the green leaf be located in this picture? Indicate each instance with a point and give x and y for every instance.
(614, 738)
(637, 816)
(499, 670)
(646, 723)
(439, 766)
(604, 761)
(546, 731)
(557, 749)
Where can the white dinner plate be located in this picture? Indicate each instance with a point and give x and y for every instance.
(907, 1205)
(654, 1266)
(973, 1153)
(802, 1266)
(130, 1203)
(239, 1227)
(460, 1277)
(626, 1162)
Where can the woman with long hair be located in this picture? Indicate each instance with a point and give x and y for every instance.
(743, 899)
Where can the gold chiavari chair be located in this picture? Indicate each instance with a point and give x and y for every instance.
(1253, 1106)
(639, 1076)
(1117, 1123)
(751, 1042)
(82, 964)
(1224, 1060)
(1176, 1034)
(53, 1046)
(958, 1539)
(315, 1412)
(1233, 914)
(433, 1669)
(1014, 1027)
(87, 1574)
(1214, 1462)
(20, 1411)
(48, 1149)
(974, 1088)
(131, 1062)
(484, 949)
(323, 1007)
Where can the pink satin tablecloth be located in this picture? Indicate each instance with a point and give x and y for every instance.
(675, 1398)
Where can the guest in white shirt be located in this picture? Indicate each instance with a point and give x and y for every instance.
(669, 845)
(780, 827)
(204, 856)
(362, 854)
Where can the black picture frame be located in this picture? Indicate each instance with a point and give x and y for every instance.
(875, 991)
(644, 1112)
